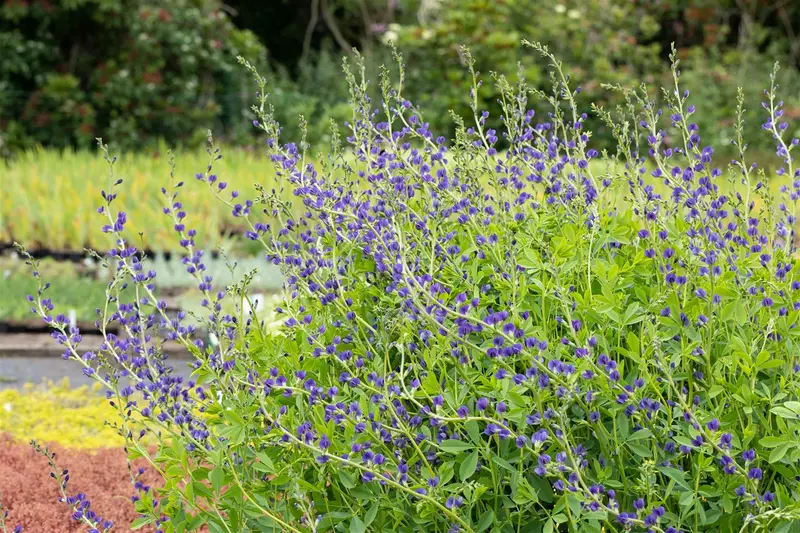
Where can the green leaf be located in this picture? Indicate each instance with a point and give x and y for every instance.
(281, 479)
(794, 406)
(371, 514)
(217, 478)
(633, 342)
(517, 398)
(787, 411)
(762, 359)
(778, 453)
(676, 475)
(641, 451)
(455, 446)
(331, 519)
(737, 343)
(632, 313)
(715, 391)
(346, 479)
(774, 363)
(234, 434)
(357, 525)
(141, 522)
(503, 463)
(468, 466)
(473, 431)
(686, 499)
(727, 504)
(264, 464)
(623, 426)
(215, 527)
(701, 512)
(772, 442)
(574, 506)
(485, 522)
(641, 434)
(729, 311)
(596, 515)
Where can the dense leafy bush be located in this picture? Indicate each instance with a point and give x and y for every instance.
(714, 79)
(317, 92)
(478, 340)
(604, 42)
(134, 70)
(600, 40)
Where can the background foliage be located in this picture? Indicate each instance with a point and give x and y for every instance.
(136, 71)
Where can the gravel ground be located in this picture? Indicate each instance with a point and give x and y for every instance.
(36, 358)
(16, 370)
(42, 344)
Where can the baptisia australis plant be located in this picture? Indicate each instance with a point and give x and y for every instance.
(536, 339)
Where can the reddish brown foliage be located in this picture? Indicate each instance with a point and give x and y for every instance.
(31, 495)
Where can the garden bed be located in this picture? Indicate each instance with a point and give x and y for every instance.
(31, 495)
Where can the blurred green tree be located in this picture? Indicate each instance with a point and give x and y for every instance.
(128, 70)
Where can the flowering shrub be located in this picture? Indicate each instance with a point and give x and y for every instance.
(477, 340)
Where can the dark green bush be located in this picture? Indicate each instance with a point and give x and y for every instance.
(603, 42)
(133, 70)
(147, 69)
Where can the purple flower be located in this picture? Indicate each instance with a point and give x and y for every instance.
(701, 293)
(454, 502)
(324, 442)
(482, 404)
